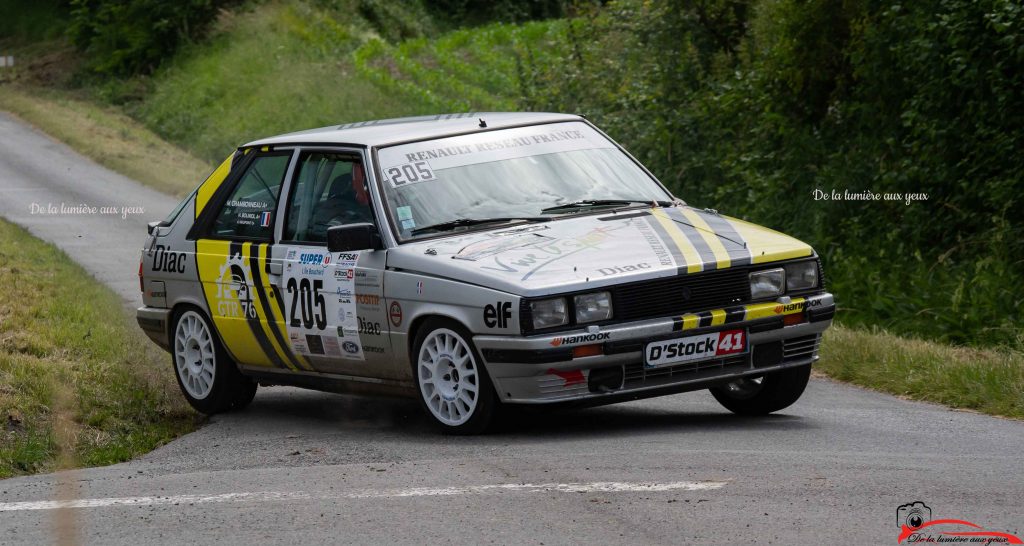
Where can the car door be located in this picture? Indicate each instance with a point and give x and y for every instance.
(333, 302)
(235, 237)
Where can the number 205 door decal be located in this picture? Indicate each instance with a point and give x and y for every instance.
(321, 303)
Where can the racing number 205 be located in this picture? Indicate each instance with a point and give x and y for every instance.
(305, 295)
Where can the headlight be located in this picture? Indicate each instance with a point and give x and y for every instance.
(767, 283)
(548, 313)
(801, 276)
(593, 307)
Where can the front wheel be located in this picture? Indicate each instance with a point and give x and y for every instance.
(764, 394)
(454, 387)
(207, 376)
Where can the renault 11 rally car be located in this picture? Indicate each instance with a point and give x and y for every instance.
(472, 261)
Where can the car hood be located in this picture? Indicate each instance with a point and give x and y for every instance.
(591, 251)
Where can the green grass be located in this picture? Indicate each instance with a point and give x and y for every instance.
(277, 68)
(986, 380)
(68, 351)
(272, 69)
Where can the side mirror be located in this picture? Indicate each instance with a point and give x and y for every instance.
(351, 237)
(151, 227)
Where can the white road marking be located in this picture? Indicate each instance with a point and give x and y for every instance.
(265, 496)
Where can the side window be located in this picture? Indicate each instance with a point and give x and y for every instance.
(329, 190)
(249, 210)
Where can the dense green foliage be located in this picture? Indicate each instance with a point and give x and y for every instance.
(38, 20)
(750, 108)
(122, 37)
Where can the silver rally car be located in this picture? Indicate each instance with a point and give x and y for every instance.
(471, 261)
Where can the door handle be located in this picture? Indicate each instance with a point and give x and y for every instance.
(274, 268)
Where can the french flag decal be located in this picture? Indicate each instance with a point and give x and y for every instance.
(264, 219)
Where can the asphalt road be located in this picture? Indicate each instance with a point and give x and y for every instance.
(300, 467)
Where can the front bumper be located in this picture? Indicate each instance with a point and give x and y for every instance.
(543, 369)
(153, 321)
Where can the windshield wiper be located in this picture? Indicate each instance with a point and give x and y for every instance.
(587, 203)
(460, 222)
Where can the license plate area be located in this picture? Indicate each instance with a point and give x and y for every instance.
(695, 348)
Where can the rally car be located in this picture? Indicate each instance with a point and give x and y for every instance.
(472, 261)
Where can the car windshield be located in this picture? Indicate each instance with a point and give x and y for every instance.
(524, 173)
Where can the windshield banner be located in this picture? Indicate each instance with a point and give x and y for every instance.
(416, 162)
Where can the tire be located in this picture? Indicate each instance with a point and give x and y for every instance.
(206, 375)
(765, 394)
(454, 388)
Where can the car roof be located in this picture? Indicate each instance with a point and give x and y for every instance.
(389, 131)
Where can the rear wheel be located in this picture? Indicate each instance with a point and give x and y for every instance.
(454, 387)
(763, 394)
(207, 376)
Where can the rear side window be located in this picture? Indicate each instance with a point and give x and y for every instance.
(249, 210)
(329, 190)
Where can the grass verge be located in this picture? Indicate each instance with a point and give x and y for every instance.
(108, 137)
(68, 354)
(986, 380)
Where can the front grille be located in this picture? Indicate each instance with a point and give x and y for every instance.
(638, 375)
(667, 296)
(800, 347)
(679, 294)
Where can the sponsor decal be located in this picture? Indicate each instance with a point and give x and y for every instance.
(372, 349)
(798, 306)
(699, 347)
(350, 348)
(486, 248)
(581, 338)
(234, 298)
(368, 299)
(570, 377)
(311, 259)
(348, 258)
(315, 344)
(367, 278)
(368, 327)
(395, 314)
(168, 261)
(916, 525)
(498, 315)
(657, 245)
(621, 269)
(419, 288)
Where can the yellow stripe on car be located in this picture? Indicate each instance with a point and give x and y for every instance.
(714, 243)
(767, 245)
(218, 274)
(693, 262)
(751, 312)
(211, 184)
